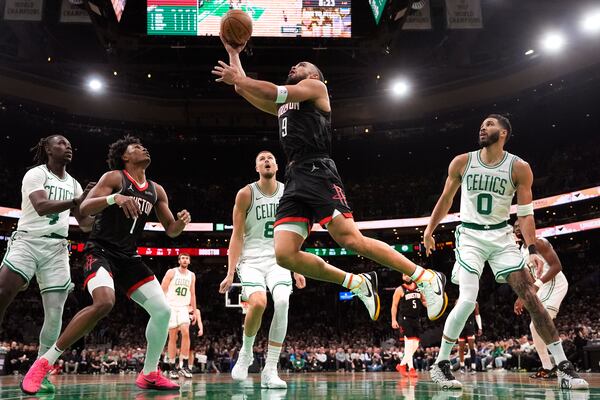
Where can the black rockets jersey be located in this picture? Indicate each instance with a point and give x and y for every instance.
(304, 131)
(411, 305)
(115, 232)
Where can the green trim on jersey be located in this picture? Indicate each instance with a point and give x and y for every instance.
(504, 274)
(491, 166)
(60, 288)
(552, 285)
(251, 199)
(266, 195)
(253, 284)
(510, 169)
(67, 176)
(284, 283)
(551, 308)
(469, 156)
(14, 269)
(465, 265)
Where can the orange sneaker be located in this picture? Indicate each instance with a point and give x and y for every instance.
(155, 380)
(402, 370)
(412, 373)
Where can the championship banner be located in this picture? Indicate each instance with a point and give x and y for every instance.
(419, 19)
(23, 10)
(70, 13)
(464, 14)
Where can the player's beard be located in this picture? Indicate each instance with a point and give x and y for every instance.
(292, 80)
(268, 175)
(490, 139)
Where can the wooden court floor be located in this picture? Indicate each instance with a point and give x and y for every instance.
(338, 386)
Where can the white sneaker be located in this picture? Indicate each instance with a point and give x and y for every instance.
(367, 293)
(440, 373)
(270, 380)
(568, 378)
(186, 373)
(436, 298)
(173, 374)
(239, 372)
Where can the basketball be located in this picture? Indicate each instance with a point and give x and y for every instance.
(236, 27)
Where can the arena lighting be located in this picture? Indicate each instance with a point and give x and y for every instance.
(401, 88)
(553, 42)
(591, 22)
(95, 85)
(529, 52)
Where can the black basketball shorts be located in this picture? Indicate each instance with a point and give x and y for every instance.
(128, 273)
(313, 193)
(469, 330)
(410, 327)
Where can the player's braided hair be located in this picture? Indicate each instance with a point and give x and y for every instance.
(40, 155)
(116, 151)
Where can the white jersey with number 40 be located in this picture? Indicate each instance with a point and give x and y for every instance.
(179, 293)
(260, 217)
(487, 190)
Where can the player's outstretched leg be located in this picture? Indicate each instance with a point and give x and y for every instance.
(431, 283)
(289, 256)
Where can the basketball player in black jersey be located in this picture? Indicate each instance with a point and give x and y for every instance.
(468, 336)
(121, 201)
(314, 191)
(409, 303)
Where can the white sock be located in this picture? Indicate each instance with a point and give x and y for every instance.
(352, 281)
(421, 274)
(445, 350)
(53, 354)
(557, 351)
(273, 353)
(541, 348)
(248, 344)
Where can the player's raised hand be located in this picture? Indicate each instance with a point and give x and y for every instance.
(184, 216)
(300, 281)
(232, 49)
(226, 73)
(395, 325)
(226, 284)
(128, 205)
(429, 243)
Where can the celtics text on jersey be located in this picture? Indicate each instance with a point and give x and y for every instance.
(487, 190)
(260, 218)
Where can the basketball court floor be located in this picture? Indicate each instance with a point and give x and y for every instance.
(311, 386)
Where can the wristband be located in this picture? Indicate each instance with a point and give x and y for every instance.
(524, 210)
(111, 199)
(538, 282)
(531, 248)
(282, 94)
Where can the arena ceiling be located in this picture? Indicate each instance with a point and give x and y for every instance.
(179, 67)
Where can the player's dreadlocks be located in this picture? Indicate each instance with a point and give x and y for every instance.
(40, 155)
(116, 151)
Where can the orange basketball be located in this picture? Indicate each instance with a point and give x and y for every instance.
(236, 27)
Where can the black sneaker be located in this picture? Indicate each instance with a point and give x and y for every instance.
(440, 373)
(568, 378)
(541, 373)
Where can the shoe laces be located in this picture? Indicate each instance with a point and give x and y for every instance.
(445, 367)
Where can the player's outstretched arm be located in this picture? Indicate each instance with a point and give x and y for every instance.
(455, 172)
(173, 227)
(101, 196)
(243, 200)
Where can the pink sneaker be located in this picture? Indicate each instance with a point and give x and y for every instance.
(34, 377)
(155, 380)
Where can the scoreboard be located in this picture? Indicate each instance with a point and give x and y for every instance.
(271, 18)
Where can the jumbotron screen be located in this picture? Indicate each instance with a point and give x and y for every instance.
(271, 18)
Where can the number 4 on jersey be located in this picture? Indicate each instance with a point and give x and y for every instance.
(181, 291)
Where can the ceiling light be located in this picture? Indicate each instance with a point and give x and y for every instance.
(400, 88)
(529, 52)
(553, 42)
(591, 22)
(95, 85)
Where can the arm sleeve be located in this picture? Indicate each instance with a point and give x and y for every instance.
(33, 181)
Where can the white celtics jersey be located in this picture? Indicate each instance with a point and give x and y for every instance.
(560, 277)
(179, 293)
(40, 178)
(487, 191)
(260, 217)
